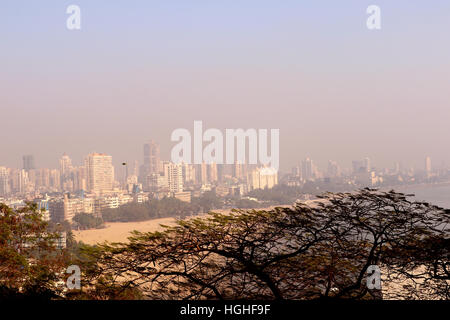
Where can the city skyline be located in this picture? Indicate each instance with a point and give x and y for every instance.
(94, 185)
(144, 162)
(247, 153)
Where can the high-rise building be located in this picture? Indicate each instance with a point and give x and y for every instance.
(297, 172)
(45, 178)
(360, 166)
(174, 174)
(396, 168)
(65, 166)
(204, 173)
(4, 181)
(238, 170)
(79, 178)
(20, 181)
(99, 173)
(55, 179)
(28, 162)
(151, 164)
(333, 169)
(262, 178)
(212, 172)
(68, 174)
(367, 165)
(307, 169)
(428, 166)
(152, 157)
(221, 172)
(188, 173)
(157, 182)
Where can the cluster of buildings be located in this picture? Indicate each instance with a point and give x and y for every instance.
(95, 176)
(363, 174)
(93, 186)
(182, 180)
(96, 185)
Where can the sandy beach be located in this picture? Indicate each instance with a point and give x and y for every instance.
(120, 231)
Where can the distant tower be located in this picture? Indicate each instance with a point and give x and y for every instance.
(65, 165)
(188, 173)
(151, 162)
(136, 168)
(367, 165)
(238, 170)
(28, 163)
(204, 173)
(333, 169)
(428, 165)
(397, 168)
(152, 157)
(297, 172)
(212, 172)
(4, 181)
(307, 169)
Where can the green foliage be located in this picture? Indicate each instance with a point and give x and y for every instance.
(278, 195)
(154, 209)
(285, 195)
(29, 259)
(87, 221)
(208, 201)
(310, 251)
(246, 204)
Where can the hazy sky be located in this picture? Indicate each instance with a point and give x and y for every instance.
(140, 69)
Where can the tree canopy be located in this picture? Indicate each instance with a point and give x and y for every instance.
(320, 250)
(29, 257)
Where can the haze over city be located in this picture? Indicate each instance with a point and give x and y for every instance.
(139, 71)
(252, 156)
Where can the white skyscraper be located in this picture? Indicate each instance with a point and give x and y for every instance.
(100, 173)
(262, 178)
(174, 174)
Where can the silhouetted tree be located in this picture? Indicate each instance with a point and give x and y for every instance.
(316, 251)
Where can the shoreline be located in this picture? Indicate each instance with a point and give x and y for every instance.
(121, 231)
(419, 185)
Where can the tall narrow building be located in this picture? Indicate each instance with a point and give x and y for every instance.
(4, 181)
(212, 172)
(238, 170)
(152, 157)
(151, 162)
(65, 165)
(100, 173)
(204, 173)
(174, 175)
(65, 168)
(428, 168)
(28, 162)
(308, 169)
